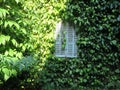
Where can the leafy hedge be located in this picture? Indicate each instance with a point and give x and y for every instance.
(97, 65)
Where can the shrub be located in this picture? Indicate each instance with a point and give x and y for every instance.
(15, 73)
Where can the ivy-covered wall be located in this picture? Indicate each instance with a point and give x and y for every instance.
(97, 65)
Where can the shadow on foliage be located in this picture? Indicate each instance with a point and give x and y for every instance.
(97, 65)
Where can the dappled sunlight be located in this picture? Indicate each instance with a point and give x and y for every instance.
(59, 44)
(58, 28)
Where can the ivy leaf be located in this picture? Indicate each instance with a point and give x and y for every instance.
(117, 71)
(114, 42)
(118, 18)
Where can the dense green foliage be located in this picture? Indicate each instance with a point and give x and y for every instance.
(15, 73)
(97, 65)
(99, 40)
(14, 30)
(16, 44)
(24, 29)
(27, 28)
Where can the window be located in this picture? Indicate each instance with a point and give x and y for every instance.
(65, 44)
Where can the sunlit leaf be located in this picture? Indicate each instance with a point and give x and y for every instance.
(6, 72)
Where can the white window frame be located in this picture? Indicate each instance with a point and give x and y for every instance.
(71, 38)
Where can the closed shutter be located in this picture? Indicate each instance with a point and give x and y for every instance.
(58, 43)
(67, 32)
(71, 42)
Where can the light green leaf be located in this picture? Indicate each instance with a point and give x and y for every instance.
(7, 38)
(6, 72)
(11, 52)
(3, 12)
(17, 1)
(2, 39)
(16, 25)
(6, 53)
(11, 23)
(14, 42)
(13, 72)
(6, 77)
(24, 31)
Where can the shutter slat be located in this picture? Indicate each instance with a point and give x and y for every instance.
(58, 49)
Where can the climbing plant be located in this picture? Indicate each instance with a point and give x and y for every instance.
(28, 26)
(97, 64)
